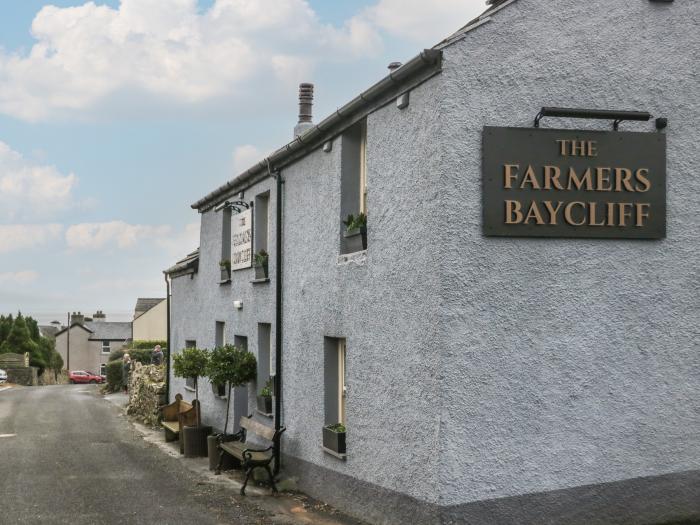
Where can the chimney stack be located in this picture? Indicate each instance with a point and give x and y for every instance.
(77, 317)
(99, 316)
(306, 100)
(394, 66)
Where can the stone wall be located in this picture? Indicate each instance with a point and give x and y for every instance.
(23, 376)
(146, 392)
(50, 378)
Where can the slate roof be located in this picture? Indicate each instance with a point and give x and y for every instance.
(109, 330)
(144, 304)
(188, 264)
(49, 330)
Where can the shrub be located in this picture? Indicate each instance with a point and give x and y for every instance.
(191, 362)
(114, 375)
(142, 356)
(147, 345)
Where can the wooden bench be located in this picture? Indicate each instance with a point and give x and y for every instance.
(249, 456)
(177, 415)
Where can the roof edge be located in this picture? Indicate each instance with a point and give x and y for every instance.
(425, 59)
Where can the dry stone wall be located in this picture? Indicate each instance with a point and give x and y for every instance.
(146, 392)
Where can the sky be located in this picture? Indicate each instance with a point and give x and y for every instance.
(116, 115)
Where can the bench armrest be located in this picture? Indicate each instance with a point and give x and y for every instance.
(247, 452)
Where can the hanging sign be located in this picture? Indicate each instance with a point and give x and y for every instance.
(242, 240)
(573, 183)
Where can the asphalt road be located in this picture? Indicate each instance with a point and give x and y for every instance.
(67, 456)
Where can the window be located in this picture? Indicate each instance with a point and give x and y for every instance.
(240, 341)
(265, 368)
(261, 222)
(103, 369)
(353, 178)
(220, 340)
(189, 381)
(334, 380)
(105, 347)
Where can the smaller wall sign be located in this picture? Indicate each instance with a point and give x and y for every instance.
(242, 240)
(573, 183)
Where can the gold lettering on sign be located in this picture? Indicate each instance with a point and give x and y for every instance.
(624, 212)
(567, 213)
(641, 176)
(530, 177)
(508, 176)
(577, 148)
(574, 180)
(551, 177)
(640, 208)
(602, 176)
(552, 211)
(513, 213)
(534, 212)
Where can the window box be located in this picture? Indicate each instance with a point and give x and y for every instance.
(356, 239)
(333, 439)
(261, 265)
(225, 267)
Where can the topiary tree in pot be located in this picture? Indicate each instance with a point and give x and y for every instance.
(192, 362)
(232, 366)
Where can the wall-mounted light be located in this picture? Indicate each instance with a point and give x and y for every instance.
(602, 114)
(238, 305)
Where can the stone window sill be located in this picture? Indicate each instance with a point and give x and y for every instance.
(357, 258)
(260, 281)
(189, 388)
(333, 453)
(227, 281)
(265, 414)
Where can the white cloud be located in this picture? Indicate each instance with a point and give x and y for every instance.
(31, 190)
(26, 236)
(21, 277)
(179, 244)
(168, 49)
(426, 23)
(114, 234)
(245, 156)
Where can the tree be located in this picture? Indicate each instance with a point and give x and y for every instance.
(19, 340)
(5, 327)
(192, 362)
(56, 364)
(231, 365)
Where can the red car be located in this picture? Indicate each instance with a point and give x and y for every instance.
(81, 376)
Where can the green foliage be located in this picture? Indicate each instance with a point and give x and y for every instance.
(338, 428)
(56, 362)
(5, 327)
(267, 389)
(261, 258)
(19, 339)
(231, 364)
(142, 356)
(114, 375)
(353, 223)
(191, 362)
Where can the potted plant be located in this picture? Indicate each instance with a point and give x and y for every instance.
(225, 267)
(192, 362)
(265, 398)
(334, 437)
(261, 264)
(232, 366)
(355, 232)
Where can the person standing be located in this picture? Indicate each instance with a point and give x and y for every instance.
(126, 371)
(157, 356)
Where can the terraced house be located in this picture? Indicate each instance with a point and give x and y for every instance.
(514, 338)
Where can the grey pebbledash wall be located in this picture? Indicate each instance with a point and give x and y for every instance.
(490, 380)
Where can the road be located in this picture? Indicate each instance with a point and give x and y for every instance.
(67, 456)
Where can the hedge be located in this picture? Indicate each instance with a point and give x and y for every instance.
(114, 375)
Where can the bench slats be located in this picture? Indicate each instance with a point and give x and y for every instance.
(258, 428)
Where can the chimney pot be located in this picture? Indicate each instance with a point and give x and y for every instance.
(306, 100)
(394, 66)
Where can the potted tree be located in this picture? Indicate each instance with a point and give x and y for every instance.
(334, 437)
(265, 398)
(225, 267)
(355, 232)
(261, 264)
(232, 366)
(192, 362)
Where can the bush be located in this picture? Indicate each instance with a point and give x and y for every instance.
(142, 356)
(148, 345)
(114, 375)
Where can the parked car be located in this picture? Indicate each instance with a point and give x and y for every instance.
(82, 376)
(3, 376)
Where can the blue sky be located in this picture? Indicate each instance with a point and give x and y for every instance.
(116, 116)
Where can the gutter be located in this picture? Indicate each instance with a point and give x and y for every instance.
(325, 129)
(278, 320)
(170, 350)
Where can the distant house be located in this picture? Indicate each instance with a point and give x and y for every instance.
(150, 319)
(86, 345)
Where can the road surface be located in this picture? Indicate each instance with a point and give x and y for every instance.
(67, 456)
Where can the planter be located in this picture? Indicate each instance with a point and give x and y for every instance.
(265, 404)
(261, 271)
(225, 274)
(194, 441)
(334, 441)
(355, 240)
